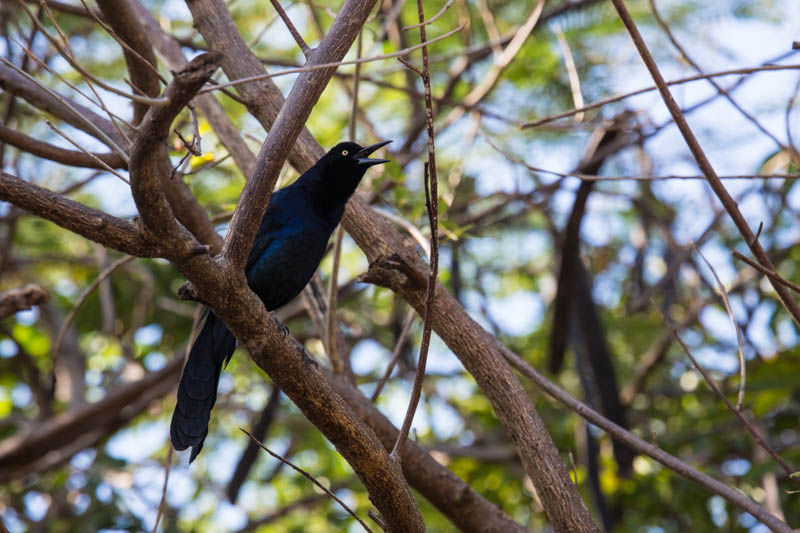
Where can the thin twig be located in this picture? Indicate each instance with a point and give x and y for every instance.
(167, 469)
(742, 369)
(593, 177)
(88, 123)
(678, 466)
(333, 291)
(501, 61)
(94, 158)
(159, 101)
(721, 90)
(412, 230)
(433, 18)
(81, 299)
(321, 66)
(679, 81)
(398, 348)
(784, 296)
(432, 204)
(736, 412)
(116, 120)
(295, 34)
(767, 272)
(572, 72)
(309, 477)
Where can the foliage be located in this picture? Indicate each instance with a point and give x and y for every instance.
(501, 223)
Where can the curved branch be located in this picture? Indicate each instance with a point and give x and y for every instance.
(149, 150)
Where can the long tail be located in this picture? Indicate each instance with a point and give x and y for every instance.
(197, 391)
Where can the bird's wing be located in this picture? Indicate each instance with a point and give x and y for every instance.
(275, 218)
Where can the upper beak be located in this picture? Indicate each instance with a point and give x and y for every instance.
(362, 155)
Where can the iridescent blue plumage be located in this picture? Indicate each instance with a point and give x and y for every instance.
(288, 248)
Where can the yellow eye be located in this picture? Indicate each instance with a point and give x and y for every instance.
(345, 152)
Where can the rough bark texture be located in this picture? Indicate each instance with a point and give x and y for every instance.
(378, 239)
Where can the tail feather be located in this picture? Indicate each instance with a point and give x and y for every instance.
(197, 391)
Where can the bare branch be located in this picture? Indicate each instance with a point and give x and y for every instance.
(739, 338)
(459, 502)
(287, 127)
(69, 58)
(572, 72)
(725, 198)
(332, 64)
(431, 20)
(148, 152)
(736, 412)
(22, 298)
(170, 50)
(136, 47)
(774, 276)
(309, 477)
(102, 228)
(398, 348)
(295, 34)
(642, 446)
(679, 81)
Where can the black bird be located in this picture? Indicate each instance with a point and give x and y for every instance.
(288, 248)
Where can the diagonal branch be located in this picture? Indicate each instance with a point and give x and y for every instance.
(786, 298)
(288, 125)
(102, 228)
(642, 446)
(290, 26)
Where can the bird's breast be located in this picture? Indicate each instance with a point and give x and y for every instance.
(288, 263)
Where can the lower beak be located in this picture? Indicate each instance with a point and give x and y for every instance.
(364, 160)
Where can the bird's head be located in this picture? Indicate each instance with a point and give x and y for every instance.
(346, 163)
(352, 157)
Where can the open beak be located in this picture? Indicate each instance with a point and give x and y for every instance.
(363, 155)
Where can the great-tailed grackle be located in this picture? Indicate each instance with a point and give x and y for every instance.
(288, 248)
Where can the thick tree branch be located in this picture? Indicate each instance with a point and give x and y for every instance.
(288, 125)
(225, 290)
(479, 352)
(149, 152)
(140, 58)
(642, 446)
(170, 50)
(379, 240)
(459, 502)
(112, 232)
(22, 453)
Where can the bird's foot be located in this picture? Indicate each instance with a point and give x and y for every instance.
(307, 360)
(280, 324)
